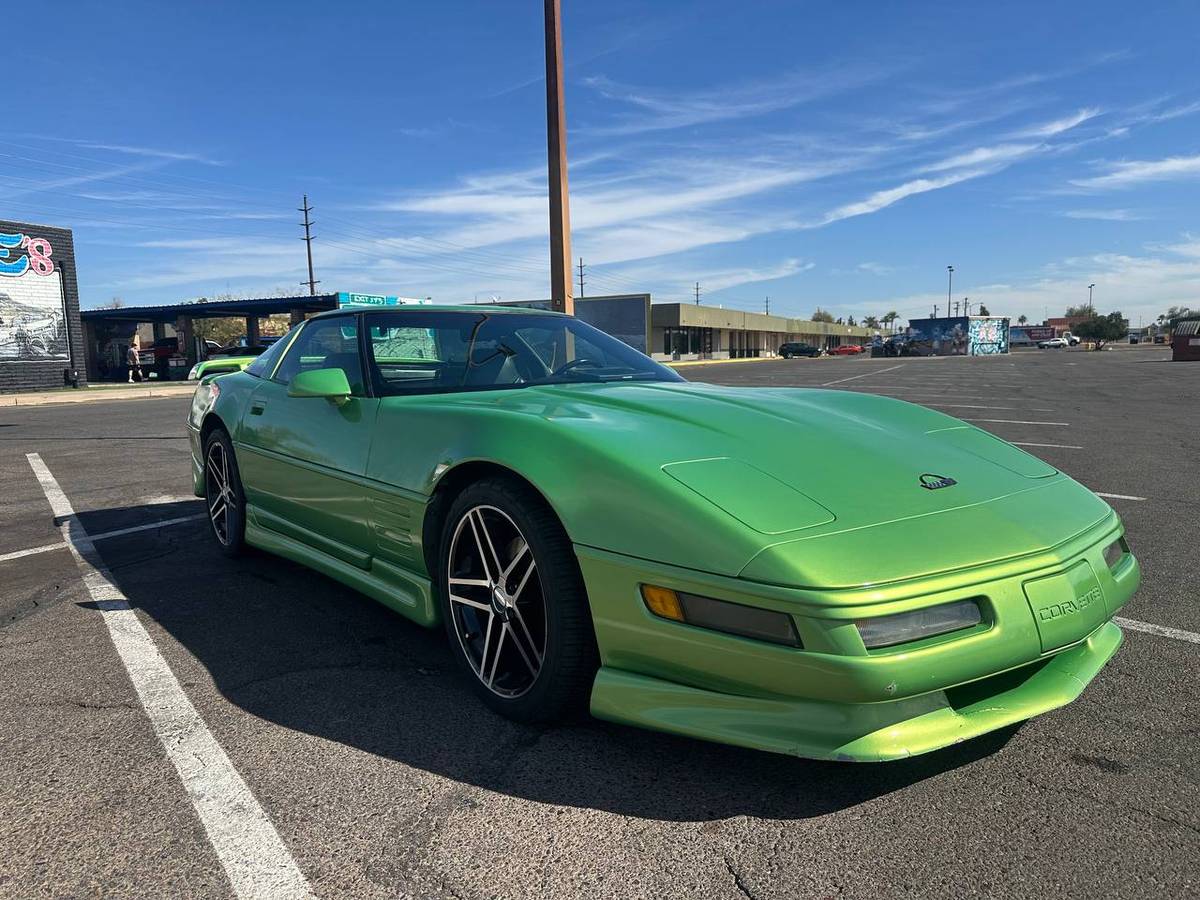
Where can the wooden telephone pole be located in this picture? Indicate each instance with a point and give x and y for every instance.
(556, 151)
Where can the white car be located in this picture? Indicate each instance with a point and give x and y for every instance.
(1053, 343)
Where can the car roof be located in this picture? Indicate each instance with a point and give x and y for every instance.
(429, 309)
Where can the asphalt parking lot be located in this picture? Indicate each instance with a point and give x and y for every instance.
(383, 777)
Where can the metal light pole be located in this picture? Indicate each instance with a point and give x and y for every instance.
(556, 153)
(949, 286)
(1090, 286)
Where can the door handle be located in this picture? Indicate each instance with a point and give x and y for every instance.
(256, 409)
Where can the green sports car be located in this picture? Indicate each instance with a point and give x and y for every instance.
(819, 573)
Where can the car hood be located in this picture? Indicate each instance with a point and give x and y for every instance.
(814, 488)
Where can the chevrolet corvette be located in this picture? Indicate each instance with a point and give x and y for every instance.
(819, 573)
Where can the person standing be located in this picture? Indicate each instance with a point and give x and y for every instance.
(133, 358)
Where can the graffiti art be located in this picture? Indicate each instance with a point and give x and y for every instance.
(32, 319)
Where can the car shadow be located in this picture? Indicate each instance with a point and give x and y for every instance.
(300, 650)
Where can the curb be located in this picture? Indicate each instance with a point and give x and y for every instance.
(52, 398)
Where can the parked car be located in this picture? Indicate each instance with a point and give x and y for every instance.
(592, 531)
(1056, 343)
(846, 350)
(798, 348)
(232, 358)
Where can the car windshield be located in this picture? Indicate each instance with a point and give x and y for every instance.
(423, 352)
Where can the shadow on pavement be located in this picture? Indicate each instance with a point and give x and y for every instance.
(297, 649)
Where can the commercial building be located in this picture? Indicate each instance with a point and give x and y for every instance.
(686, 331)
(41, 338)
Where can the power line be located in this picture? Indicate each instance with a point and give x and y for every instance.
(307, 223)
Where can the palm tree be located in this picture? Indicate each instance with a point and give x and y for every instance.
(890, 319)
(1022, 319)
(870, 322)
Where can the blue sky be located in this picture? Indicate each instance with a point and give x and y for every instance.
(824, 154)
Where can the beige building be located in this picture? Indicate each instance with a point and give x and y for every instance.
(689, 331)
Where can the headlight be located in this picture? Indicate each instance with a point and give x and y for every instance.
(195, 373)
(719, 615)
(884, 631)
(1115, 552)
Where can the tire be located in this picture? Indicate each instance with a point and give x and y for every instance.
(529, 649)
(226, 502)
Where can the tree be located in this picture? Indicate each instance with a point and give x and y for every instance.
(1103, 328)
(114, 303)
(820, 315)
(983, 310)
(850, 320)
(839, 321)
(1174, 314)
(870, 322)
(1022, 319)
(1084, 309)
(890, 319)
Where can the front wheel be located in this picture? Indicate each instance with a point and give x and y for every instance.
(514, 603)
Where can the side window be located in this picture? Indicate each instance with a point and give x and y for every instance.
(326, 344)
(265, 364)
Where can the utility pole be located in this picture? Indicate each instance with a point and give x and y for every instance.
(966, 306)
(556, 155)
(581, 276)
(933, 315)
(697, 289)
(307, 223)
(949, 286)
(956, 308)
(768, 305)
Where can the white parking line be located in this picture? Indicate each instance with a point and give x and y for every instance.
(1117, 496)
(1019, 422)
(1056, 446)
(17, 554)
(250, 849)
(1161, 630)
(976, 406)
(863, 375)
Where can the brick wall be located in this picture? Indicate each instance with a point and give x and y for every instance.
(21, 375)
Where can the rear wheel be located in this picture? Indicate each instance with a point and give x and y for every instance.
(514, 603)
(223, 494)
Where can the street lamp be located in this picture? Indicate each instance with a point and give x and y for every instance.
(949, 286)
(1090, 286)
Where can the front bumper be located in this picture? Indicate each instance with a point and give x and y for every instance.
(834, 698)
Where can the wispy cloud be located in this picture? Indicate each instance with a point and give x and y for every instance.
(1058, 126)
(658, 110)
(1104, 215)
(883, 199)
(1001, 153)
(875, 268)
(1128, 173)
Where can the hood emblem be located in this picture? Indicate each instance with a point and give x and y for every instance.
(933, 482)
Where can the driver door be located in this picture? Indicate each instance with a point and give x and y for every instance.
(304, 458)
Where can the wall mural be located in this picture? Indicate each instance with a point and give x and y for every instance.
(989, 336)
(32, 318)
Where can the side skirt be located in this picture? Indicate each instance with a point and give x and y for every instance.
(408, 594)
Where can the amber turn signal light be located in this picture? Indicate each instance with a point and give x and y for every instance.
(662, 602)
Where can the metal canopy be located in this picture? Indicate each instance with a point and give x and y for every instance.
(215, 309)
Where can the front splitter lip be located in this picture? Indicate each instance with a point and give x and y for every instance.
(865, 732)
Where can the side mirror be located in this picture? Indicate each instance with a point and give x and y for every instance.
(328, 383)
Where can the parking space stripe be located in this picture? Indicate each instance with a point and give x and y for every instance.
(1117, 496)
(1019, 422)
(1056, 446)
(250, 849)
(45, 548)
(1161, 630)
(863, 375)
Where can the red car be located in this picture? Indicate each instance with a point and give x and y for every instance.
(847, 350)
